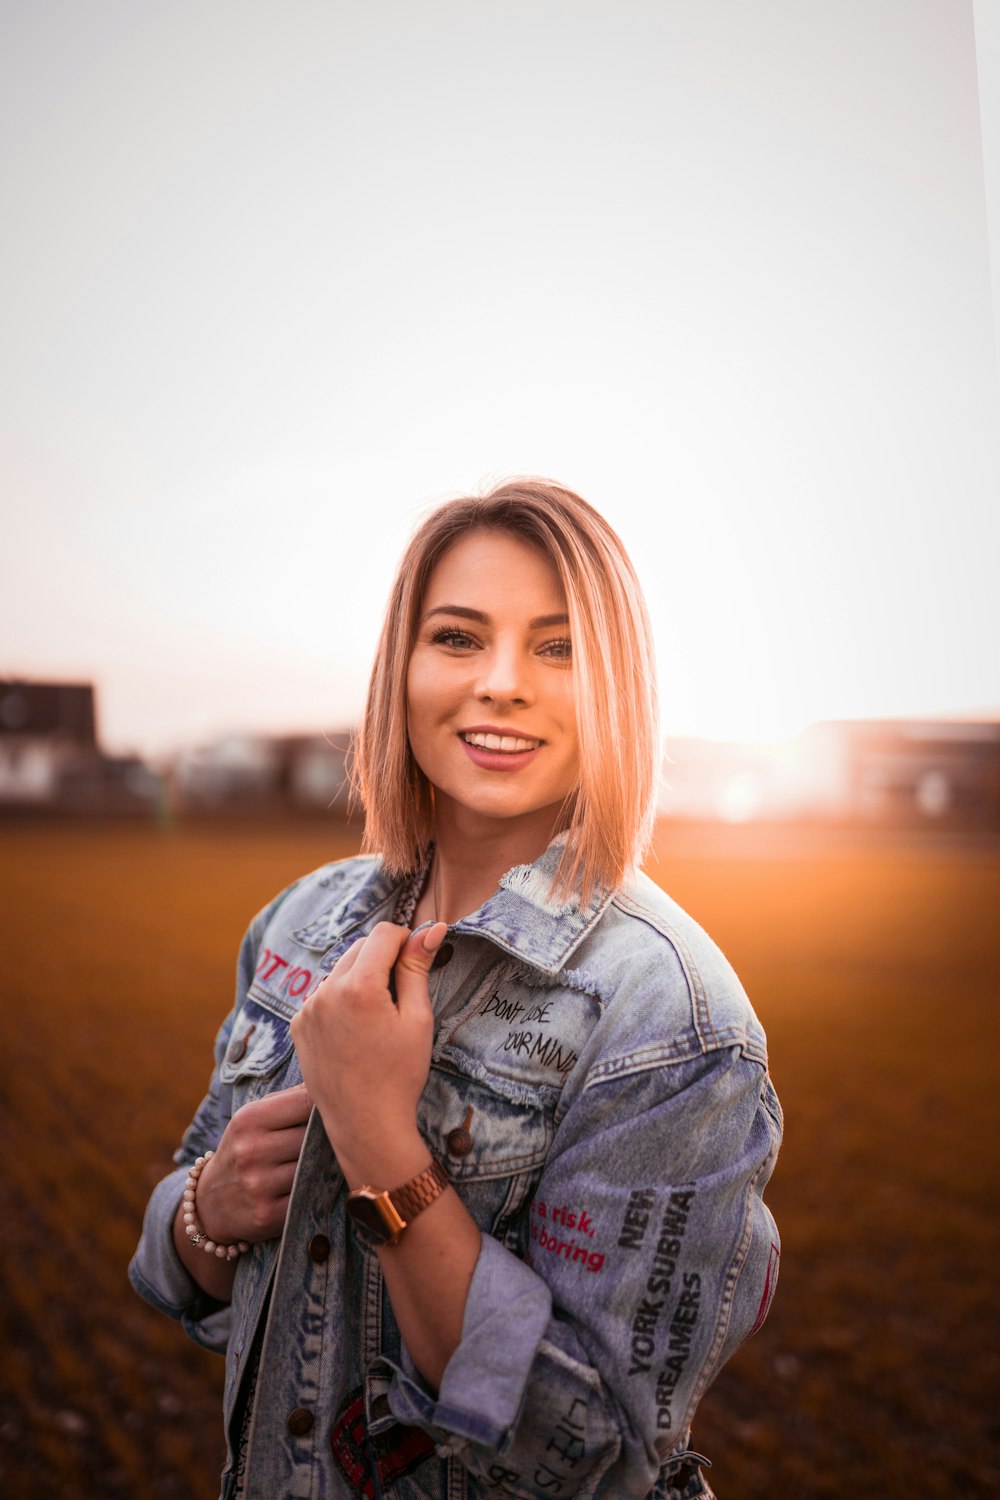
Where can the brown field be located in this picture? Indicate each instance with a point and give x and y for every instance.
(874, 966)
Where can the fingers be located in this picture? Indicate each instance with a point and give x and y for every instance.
(288, 1145)
(345, 963)
(252, 1144)
(421, 946)
(365, 968)
(243, 1192)
(378, 955)
(414, 962)
(266, 1135)
(434, 936)
(280, 1110)
(377, 965)
(368, 961)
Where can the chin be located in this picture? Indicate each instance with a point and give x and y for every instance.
(509, 809)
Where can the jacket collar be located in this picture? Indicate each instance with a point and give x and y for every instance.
(524, 918)
(521, 917)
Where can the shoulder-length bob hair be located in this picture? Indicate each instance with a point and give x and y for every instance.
(608, 818)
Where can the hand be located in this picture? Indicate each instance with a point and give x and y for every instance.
(244, 1188)
(365, 1059)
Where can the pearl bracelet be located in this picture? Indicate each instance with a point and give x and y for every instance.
(194, 1230)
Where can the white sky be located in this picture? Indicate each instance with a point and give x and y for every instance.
(273, 277)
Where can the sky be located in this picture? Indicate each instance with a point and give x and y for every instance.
(275, 278)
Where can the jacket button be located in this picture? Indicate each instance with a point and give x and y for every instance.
(459, 1141)
(238, 1049)
(442, 956)
(319, 1248)
(300, 1421)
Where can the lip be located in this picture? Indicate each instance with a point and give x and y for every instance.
(500, 729)
(498, 760)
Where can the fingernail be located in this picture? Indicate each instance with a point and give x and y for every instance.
(434, 937)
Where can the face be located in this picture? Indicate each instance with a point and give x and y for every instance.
(490, 702)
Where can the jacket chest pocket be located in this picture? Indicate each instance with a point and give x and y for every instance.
(259, 1052)
(492, 1147)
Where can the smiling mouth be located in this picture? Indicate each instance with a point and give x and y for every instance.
(504, 744)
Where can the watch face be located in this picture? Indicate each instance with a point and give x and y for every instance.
(374, 1217)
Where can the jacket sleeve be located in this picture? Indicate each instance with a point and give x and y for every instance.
(156, 1271)
(651, 1257)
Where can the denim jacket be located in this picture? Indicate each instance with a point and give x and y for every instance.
(599, 1097)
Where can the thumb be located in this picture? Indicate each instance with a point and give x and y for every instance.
(414, 962)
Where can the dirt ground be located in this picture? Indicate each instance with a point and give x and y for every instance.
(873, 963)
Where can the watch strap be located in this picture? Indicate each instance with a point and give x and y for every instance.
(420, 1192)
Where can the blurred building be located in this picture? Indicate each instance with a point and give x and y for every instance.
(933, 773)
(291, 772)
(50, 758)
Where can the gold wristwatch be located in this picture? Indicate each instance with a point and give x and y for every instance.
(380, 1216)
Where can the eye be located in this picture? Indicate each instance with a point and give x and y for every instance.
(450, 635)
(561, 650)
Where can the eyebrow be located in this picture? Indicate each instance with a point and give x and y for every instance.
(540, 622)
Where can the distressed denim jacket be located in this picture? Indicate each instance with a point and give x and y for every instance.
(599, 1097)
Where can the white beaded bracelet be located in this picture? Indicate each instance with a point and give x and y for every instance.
(194, 1230)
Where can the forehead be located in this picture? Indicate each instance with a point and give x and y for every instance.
(486, 566)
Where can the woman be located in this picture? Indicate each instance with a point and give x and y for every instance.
(490, 1119)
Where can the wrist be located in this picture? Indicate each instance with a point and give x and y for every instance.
(194, 1228)
(386, 1163)
(207, 1206)
(381, 1217)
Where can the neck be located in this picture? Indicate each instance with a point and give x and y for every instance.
(466, 870)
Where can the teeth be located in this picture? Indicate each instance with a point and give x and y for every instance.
(509, 743)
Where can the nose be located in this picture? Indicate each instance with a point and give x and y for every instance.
(505, 676)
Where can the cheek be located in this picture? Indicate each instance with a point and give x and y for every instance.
(416, 698)
(425, 701)
(572, 731)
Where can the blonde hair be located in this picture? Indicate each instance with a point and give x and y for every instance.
(609, 818)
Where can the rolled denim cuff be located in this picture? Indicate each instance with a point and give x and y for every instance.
(158, 1276)
(482, 1389)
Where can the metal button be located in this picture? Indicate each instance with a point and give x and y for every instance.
(459, 1141)
(300, 1421)
(442, 956)
(319, 1248)
(238, 1049)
